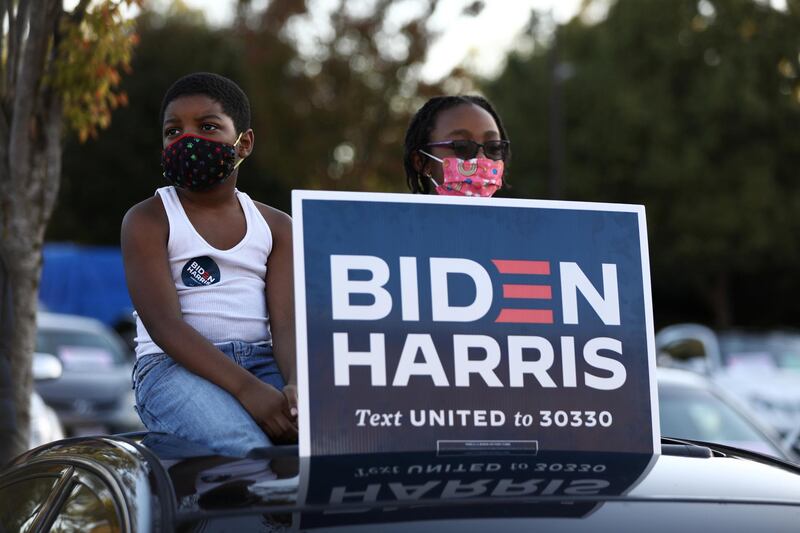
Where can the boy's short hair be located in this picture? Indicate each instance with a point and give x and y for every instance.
(219, 88)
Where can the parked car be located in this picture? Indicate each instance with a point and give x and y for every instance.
(154, 482)
(93, 394)
(45, 425)
(692, 407)
(760, 369)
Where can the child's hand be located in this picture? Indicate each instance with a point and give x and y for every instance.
(290, 391)
(270, 409)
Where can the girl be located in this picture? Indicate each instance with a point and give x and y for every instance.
(456, 145)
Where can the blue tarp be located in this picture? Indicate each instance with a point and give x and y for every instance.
(85, 280)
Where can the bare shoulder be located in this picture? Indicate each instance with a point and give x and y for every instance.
(279, 222)
(147, 218)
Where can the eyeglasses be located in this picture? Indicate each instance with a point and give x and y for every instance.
(464, 149)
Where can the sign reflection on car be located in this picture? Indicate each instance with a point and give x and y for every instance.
(382, 488)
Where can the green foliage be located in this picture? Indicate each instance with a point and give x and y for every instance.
(335, 118)
(690, 109)
(89, 57)
(105, 176)
(331, 119)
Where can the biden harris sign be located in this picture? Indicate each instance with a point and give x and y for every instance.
(472, 326)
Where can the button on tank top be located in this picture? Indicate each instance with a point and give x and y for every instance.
(221, 292)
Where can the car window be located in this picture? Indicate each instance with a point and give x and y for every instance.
(787, 353)
(746, 352)
(79, 349)
(700, 415)
(766, 351)
(22, 500)
(89, 508)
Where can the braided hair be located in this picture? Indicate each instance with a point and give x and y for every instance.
(422, 124)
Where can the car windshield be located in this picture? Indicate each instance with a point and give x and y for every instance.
(689, 413)
(79, 349)
(761, 350)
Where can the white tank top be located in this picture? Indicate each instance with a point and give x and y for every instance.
(221, 292)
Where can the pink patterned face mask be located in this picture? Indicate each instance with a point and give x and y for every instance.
(469, 177)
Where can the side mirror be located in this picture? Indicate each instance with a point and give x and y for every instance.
(686, 353)
(46, 366)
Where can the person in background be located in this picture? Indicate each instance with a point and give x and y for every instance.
(456, 145)
(210, 275)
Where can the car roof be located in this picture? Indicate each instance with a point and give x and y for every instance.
(203, 485)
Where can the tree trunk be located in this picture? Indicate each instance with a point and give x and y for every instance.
(8, 408)
(24, 224)
(29, 179)
(23, 262)
(719, 299)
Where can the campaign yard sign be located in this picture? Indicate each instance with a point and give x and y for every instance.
(467, 325)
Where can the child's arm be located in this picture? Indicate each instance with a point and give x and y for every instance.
(145, 232)
(280, 299)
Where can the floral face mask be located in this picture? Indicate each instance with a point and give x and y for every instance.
(469, 177)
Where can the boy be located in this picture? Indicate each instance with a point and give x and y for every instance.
(210, 275)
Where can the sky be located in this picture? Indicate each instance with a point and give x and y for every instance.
(485, 39)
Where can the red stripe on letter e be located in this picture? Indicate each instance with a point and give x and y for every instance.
(506, 266)
(526, 316)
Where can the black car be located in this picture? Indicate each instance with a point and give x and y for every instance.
(156, 483)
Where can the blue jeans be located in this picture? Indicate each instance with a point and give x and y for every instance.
(174, 400)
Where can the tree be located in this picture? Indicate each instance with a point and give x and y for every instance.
(327, 115)
(332, 113)
(689, 108)
(60, 69)
(103, 177)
